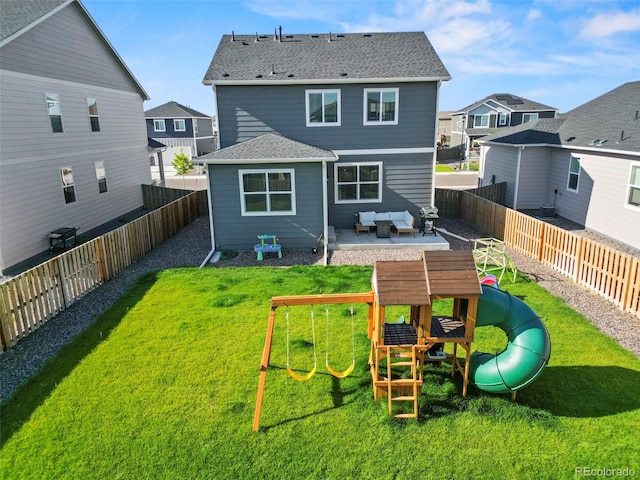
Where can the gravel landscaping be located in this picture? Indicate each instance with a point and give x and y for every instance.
(192, 244)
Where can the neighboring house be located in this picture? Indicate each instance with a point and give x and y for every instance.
(486, 116)
(315, 128)
(443, 138)
(180, 127)
(584, 165)
(73, 147)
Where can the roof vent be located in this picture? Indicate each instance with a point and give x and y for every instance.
(225, 74)
(314, 36)
(570, 139)
(598, 142)
(366, 34)
(344, 74)
(290, 75)
(233, 36)
(258, 76)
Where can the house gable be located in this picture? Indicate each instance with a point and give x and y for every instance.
(48, 46)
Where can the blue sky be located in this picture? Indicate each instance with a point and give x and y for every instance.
(561, 53)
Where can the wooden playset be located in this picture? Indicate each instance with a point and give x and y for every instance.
(399, 350)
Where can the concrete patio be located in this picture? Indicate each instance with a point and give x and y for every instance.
(347, 239)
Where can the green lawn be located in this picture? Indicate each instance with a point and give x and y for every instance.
(163, 386)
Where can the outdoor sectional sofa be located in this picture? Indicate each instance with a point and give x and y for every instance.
(402, 222)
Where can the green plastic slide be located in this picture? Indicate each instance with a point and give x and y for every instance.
(528, 346)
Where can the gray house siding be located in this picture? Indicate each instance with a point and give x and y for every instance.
(608, 211)
(569, 204)
(500, 166)
(31, 198)
(406, 186)
(534, 170)
(598, 205)
(170, 131)
(47, 59)
(66, 48)
(248, 111)
(234, 231)
(516, 117)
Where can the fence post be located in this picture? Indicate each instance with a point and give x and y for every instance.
(631, 274)
(579, 261)
(542, 241)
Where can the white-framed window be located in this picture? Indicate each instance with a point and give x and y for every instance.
(101, 176)
(502, 119)
(54, 111)
(381, 106)
(267, 192)
(68, 187)
(481, 121)
(529, 117)
(92, 106)
(159, 126)
(358, 182)
(633, 196)
(322, 108)
(574, 174)
(179, 125)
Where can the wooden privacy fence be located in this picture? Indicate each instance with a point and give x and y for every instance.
(32, 298)
(450, 202)
(612, 274)
(154, 196)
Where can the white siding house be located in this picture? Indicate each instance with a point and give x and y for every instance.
(585, 163)
(73, 143)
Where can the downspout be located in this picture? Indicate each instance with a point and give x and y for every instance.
(209, 204)
(517, 183)
(209, 201)
(325, 213)
(435, 148)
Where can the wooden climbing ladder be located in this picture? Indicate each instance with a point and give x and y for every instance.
(399, 387)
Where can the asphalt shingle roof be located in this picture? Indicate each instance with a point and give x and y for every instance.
(18, 14)
(268, 148)
(325, 57)
(174, 110)
(509, 101)
(609, 122)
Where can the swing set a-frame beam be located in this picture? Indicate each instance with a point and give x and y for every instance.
(289, 301)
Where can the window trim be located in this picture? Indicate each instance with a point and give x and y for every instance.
(55, 98)
(101, 177)
(160, 122)
(630, 186)
(266, 171)
(323, 123)
(570, 173)
(365, 105)
(502, 119)
(71, 185)
(175, 125)
(95, 115)
(483, 115)
(533, 117)
(356, 164)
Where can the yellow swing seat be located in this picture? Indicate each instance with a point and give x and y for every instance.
(344, 374)
(302, 378)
